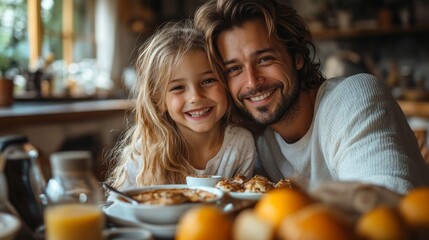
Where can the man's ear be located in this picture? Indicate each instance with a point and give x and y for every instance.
(299, 61)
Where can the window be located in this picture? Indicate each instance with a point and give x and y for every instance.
(13, 30)
(46, 33)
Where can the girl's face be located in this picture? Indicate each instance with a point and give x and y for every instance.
(196, 99)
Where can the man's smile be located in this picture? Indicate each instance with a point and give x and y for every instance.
(261, 96)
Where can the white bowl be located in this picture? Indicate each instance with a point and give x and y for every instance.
(203, 180)
(9, 226)
(162, 214)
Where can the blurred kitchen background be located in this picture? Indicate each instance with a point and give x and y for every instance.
(86, 48)
(66, 51)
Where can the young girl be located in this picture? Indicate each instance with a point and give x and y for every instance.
(181, 116)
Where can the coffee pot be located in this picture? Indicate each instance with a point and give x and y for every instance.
(5, 205)
(24, 181)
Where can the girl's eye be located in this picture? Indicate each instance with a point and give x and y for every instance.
(208, 81)
(176, 88)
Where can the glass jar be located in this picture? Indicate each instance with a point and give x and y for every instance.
(73, 196)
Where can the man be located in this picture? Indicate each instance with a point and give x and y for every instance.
(347, 129)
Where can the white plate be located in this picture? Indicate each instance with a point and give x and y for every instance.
(9, 226)
(117, 217)
(246, 195)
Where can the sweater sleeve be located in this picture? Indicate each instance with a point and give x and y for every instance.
(368, 136)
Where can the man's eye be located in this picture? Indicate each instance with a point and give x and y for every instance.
(266, 59)
(233, 69)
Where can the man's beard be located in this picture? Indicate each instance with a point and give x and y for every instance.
(285, 110)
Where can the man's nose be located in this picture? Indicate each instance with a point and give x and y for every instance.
(253, 77)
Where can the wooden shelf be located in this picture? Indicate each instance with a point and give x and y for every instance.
(33, 113)
(415, 108)
(327, 34)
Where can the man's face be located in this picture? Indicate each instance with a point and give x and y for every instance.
(261, 76)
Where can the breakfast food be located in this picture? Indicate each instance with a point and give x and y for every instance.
(232, 185)
(257, 184)
(173, 196)
(229, 186)
(284, 183)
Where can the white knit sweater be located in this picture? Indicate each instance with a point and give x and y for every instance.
(359, 133)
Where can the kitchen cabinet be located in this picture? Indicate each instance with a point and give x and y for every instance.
(381, 35)
(372, 40)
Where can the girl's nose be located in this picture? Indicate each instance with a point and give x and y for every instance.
(196, 95)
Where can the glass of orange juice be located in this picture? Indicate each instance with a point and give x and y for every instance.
(74, 221)
(73, 195)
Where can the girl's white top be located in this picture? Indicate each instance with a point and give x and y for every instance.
(237, 155)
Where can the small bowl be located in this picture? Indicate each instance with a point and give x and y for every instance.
(162, 214)
(9, 226)
(203, 180)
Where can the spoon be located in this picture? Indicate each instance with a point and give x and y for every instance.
(125, 196)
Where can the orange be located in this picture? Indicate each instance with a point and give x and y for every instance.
(249, 226)
(414, 207)
(204, 222)
(383, 222)
(275, 205)
(316, 222)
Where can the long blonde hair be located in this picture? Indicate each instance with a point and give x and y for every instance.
(154, 138)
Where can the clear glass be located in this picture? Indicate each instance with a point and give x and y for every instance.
(80, 187)
(73, 210)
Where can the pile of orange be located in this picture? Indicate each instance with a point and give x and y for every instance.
(292, 214)
(280, 203)
(205, 222)
(383, 222)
